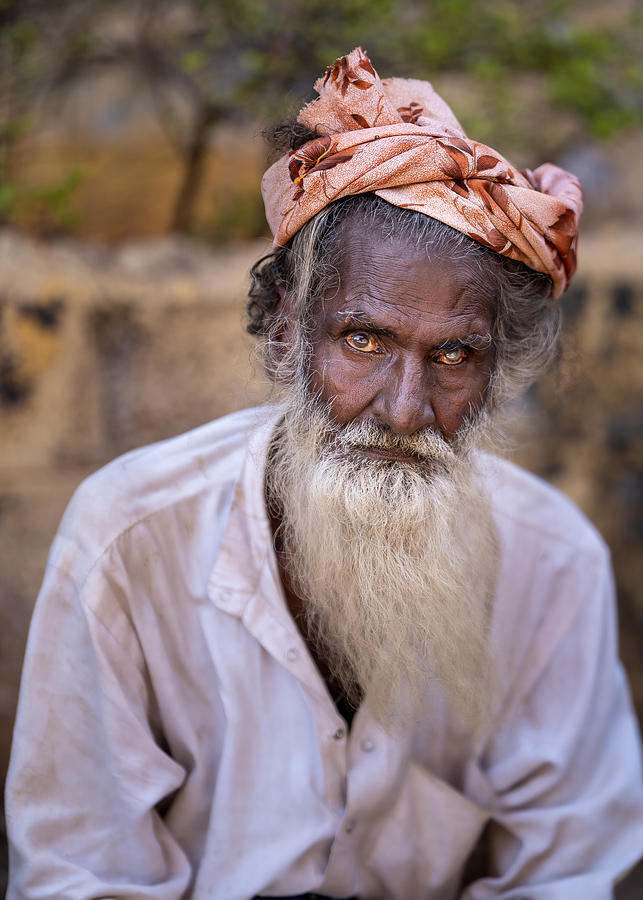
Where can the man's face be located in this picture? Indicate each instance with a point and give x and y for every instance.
(405, 341)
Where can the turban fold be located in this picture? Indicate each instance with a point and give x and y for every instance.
(397, 138)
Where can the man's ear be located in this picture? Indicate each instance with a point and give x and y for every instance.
(281, 336)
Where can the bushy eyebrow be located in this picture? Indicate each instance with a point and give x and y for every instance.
(471, 341)
(359, 319)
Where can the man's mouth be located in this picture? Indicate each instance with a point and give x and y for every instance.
(395, 454)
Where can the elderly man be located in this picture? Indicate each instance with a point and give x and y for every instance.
(330, 648)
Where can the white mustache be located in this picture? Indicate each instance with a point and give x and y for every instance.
(427, 444)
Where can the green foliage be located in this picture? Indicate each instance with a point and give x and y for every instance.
(19, 39)
(252, 57)
(193, 61)
(7, 197)
(538, 74)
(255, 56)
(237, 214)
(249, 52)
(52, 204)
(48, 208)
(586, 64)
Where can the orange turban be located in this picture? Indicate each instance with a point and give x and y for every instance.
(398, 139)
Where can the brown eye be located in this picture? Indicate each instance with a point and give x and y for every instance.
(452, 357)
(362, 341)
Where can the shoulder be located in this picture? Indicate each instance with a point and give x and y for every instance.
(536, 514)
(154, 482)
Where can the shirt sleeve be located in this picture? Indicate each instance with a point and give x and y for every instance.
(564, 770)
(87, 771)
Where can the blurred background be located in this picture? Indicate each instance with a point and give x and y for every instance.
(130, 160)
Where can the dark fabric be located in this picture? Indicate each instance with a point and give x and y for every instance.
(345, 709)
(302, 897)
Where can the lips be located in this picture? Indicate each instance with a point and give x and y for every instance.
(391, 453)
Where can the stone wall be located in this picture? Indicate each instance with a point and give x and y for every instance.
(103, 351)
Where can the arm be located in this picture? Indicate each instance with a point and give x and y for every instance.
(86, 771)
(564, 770)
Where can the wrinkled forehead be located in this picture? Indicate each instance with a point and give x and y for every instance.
(371, 259)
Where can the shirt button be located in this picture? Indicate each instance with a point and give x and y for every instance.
(367, 745)
(292, 654)
(224, 596)
(339, 734)
(350, 826)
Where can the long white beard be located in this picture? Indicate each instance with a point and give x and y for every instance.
(395, 562)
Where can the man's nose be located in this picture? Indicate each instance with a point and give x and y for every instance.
(405, 401)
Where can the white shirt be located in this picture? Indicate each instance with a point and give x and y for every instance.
(174, 738)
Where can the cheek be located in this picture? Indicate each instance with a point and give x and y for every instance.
(456, 392)
(342, 382)
(452, 403)
(451, 410)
